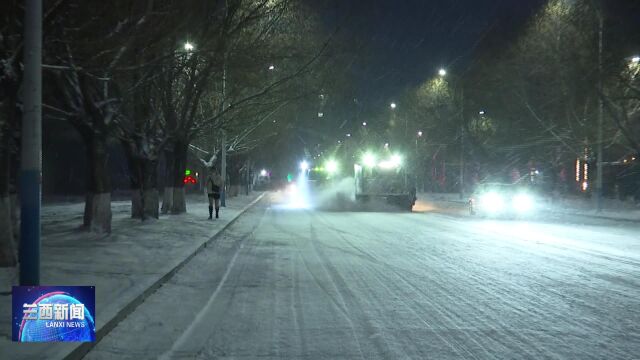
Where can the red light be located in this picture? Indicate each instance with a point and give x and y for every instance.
(189, 180)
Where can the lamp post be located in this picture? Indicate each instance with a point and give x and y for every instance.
(443, 72)
(31, 149)
(419, 162)
(599, 163)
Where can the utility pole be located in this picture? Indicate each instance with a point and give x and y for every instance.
(223, 170)
(599, 174)
(461, 140)
(223, 161)
(31, 147)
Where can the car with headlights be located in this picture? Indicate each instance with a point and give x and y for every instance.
(502, 200)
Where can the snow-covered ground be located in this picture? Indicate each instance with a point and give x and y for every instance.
(122, 265)
(299, 283)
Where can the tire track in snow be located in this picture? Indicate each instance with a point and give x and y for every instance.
(197, 323)
(594, 322)
(296, 307)
(350, 301)
(445, 314)
(460, 299)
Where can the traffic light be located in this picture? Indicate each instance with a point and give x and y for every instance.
(188, 178)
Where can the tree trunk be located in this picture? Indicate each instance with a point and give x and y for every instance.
(150, 197)
(180, 164)
(167, 201)
(137, 203)
(97, 210)
(9, 125)
(144, 193)
(8, 254)
(7, 235)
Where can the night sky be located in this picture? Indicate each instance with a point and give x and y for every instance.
(402, 43)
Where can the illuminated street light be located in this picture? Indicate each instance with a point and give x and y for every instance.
(419, 133)
(481, 112)
(271, 67)
(304, 165)
(188, 46)
(348, 135)
(442, 72)
(635, 59)
(393, 105)
(263, 172)
(364, 123)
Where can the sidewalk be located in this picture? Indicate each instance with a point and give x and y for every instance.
(125, 267)
(612, 209)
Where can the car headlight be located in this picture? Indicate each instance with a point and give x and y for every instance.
(492, 202)
(523, 202)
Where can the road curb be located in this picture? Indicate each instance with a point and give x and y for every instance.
(80, 351)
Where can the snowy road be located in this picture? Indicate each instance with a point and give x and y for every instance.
(324, 285)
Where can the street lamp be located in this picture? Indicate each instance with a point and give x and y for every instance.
(364, 123)
(635, 59)
(419, 133)
(393, 105)
(271, 67)
(442, 72)
(188, 46)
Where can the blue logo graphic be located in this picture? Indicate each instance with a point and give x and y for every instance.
(53, 313)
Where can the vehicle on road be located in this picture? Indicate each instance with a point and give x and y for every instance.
(502, 200)
(385, 179)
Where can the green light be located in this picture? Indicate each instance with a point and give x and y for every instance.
(289, 178)
(187, 172)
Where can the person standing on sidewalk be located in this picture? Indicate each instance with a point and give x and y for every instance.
(214, 187)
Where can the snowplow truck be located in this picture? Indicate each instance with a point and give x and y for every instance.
(386, 180)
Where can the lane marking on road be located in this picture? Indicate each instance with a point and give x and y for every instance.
(200, 317)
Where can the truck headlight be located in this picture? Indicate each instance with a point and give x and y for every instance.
(331, 166)
(523, 202)
(369, 160)
(492, 202)
(396, 160)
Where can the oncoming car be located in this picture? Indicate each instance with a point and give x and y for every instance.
(501, 200)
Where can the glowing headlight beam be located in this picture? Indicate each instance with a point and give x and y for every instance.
(396, 160)
(369, 160)
(522, 203)
(331, 166)
(304, 165)
(492, 202)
